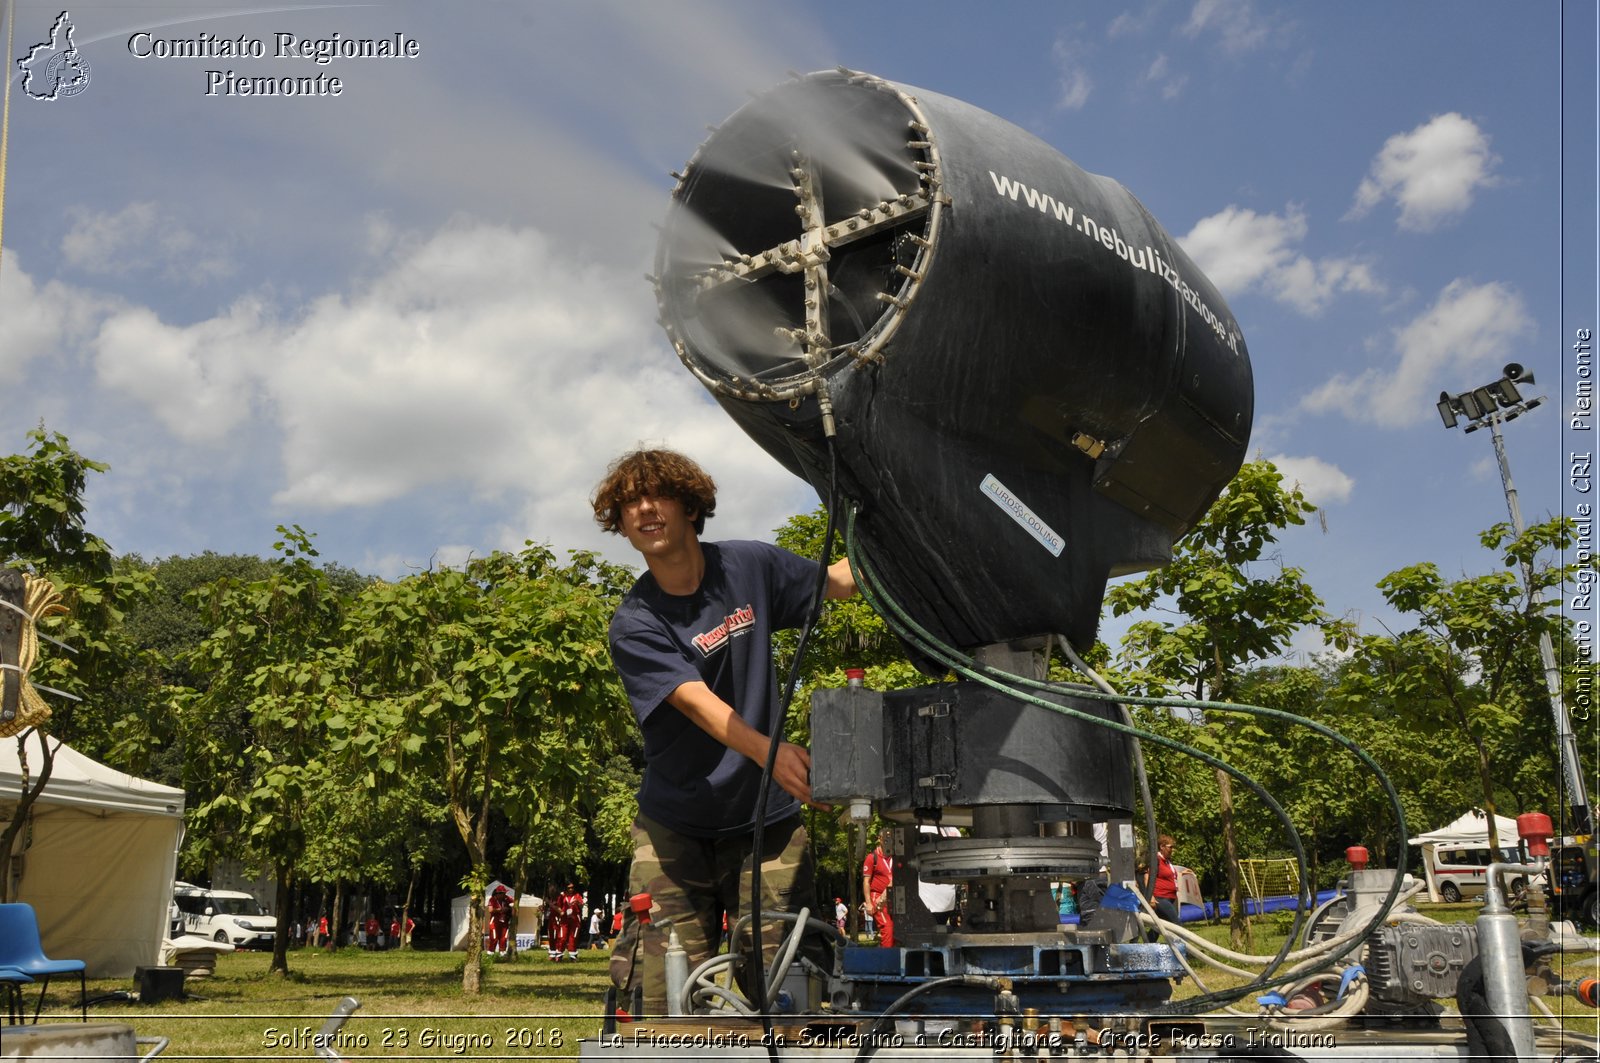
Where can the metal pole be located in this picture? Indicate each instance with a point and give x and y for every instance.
(1566, 743)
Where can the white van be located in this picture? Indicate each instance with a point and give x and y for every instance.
(224, 915)
(1461, 869)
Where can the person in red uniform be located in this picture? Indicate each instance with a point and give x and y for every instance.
(500, 921)
(877, 874)
(569, 916)
(1166, 893)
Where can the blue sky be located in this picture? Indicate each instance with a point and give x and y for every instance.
(412, 318)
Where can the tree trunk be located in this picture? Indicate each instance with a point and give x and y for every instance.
(519, 886)
(405, 909)
(1486, 780)
(1238, 924)
(280, 940)
(475, 834)
(337, 928)
(852, 873)
(30, 793)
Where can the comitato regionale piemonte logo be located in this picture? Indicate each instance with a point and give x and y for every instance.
(55, 69)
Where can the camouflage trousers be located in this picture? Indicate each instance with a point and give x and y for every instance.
(693, 882)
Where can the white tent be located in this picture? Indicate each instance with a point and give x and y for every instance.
(1473, 826)
(97, 859)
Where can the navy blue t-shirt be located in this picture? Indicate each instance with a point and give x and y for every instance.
(720, 635)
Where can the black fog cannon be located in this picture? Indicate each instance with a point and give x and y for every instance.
(1033, 387)
(1028, 388)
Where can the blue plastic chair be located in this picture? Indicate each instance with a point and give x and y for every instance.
(20, 948)
(14, 979)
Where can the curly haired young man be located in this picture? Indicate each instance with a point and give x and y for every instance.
(692, 642)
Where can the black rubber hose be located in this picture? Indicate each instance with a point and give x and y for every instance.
(758, 972)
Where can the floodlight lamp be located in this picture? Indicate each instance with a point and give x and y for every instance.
(1506, 391)
(1485, 398)
(1467, 403)
(1447, 412)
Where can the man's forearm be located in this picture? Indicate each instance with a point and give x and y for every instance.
(716, 718)
(792, 768)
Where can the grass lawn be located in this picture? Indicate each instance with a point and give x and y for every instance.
(411, 1006)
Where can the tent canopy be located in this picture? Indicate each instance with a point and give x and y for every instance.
(1472, 826)
(528, 906)
(98, 861)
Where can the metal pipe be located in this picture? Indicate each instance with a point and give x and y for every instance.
(1505, 982)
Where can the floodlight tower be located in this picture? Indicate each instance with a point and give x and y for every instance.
(1491, 405)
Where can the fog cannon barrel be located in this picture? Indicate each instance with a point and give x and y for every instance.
(1032, 387)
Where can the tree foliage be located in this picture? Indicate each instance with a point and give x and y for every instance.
(43, 532)
(494, 680)
(1468, 663)
(256, 734)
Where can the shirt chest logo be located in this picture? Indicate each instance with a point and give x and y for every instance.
(736, 622)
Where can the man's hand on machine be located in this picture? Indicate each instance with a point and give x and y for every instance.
(792, 771)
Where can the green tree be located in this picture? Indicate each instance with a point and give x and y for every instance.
(1333, 802)
(1237, 606)
(43, 533)
(494, 680)
(1427, 760)
(255, 736)
(163, 627)
(42, 509)
(1469, 660)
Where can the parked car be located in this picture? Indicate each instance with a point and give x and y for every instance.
(224, 915)
(1462, 870)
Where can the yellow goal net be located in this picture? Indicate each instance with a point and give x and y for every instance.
(1270, 878)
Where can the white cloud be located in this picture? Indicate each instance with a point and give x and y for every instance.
(1467, 327)
(1070, 57)
(1321, 483)
(1238, 26)
(1159, 72)
(483, 358)
(484, 364)
(141, 237)
(1431, 172)
(1307, 647)
(1241, 250)
(196, 380)
(41, 321)
(1132, 23)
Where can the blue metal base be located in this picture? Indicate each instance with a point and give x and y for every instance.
(1047, 972)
